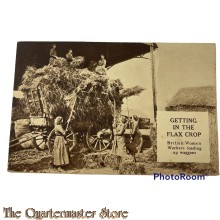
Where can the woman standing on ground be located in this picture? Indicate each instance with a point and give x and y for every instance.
(60, 151)
(119, 138)
(136, 136)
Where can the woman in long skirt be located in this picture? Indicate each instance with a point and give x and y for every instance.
(119, 138)
(60, 151)
(137, 138)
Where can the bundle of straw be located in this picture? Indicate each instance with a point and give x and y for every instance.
(62, 79)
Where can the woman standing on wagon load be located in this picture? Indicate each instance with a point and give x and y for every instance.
(60, 151)
(53, 54)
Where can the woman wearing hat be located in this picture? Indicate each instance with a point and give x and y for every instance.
(60, 151)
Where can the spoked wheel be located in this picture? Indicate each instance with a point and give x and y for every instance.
(70, 138)
(99, 139)
(41, 142)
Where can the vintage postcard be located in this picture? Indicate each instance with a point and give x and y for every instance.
(114, 108)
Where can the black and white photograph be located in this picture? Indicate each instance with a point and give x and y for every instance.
(109, 109)
(91, 108)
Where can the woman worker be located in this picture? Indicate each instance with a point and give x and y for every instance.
(60, 151)
(119, 138)
(136, 136)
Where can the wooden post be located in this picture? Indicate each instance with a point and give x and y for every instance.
(153, 80)
(40, 101)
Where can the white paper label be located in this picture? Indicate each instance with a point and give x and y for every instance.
(183, 137)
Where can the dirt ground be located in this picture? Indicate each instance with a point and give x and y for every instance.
(40, 161)
(33, 160)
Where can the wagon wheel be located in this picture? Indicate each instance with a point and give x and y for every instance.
(70, 137)
(41, 142)
(99, 139)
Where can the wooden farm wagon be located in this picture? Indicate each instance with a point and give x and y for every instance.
(98, 137)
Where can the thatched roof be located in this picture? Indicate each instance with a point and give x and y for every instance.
(194, 96)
